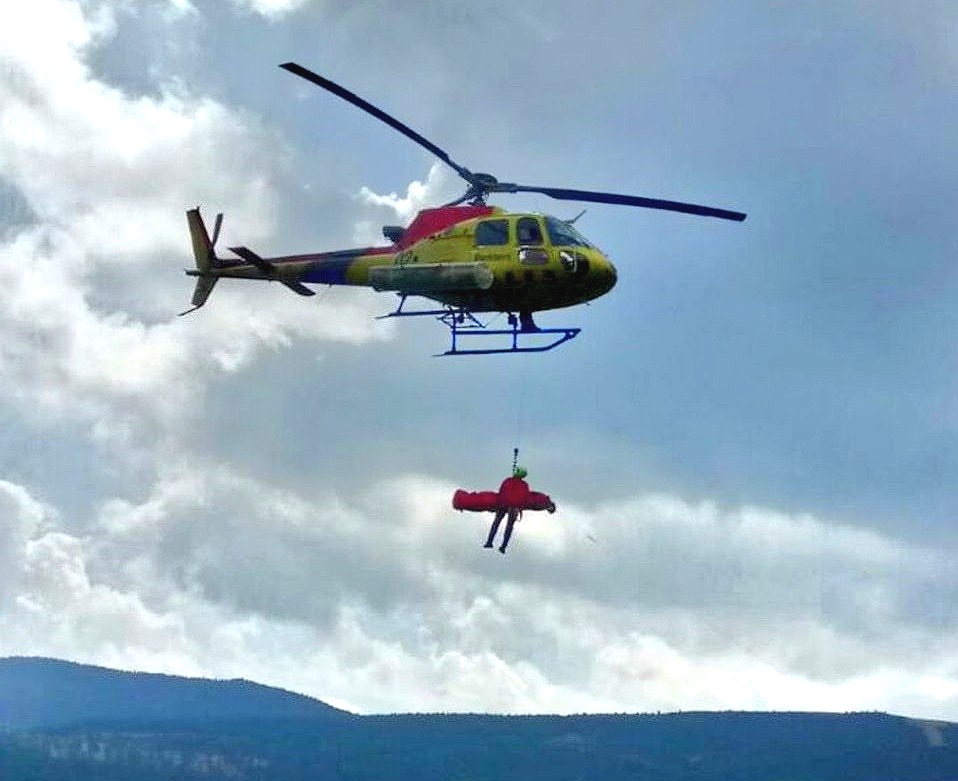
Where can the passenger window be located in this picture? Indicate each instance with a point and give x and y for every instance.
(492, 233)
(528, 231)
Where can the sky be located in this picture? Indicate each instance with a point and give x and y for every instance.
(752, 444)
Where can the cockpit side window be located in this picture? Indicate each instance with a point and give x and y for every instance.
(528, 231)
(492, 233)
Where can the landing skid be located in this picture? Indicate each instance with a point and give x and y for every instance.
(463, 323)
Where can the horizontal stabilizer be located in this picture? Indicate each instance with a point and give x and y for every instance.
(268, 268)
(251, 257)
(297, 287)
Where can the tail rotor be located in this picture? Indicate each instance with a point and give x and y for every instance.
(217, 224)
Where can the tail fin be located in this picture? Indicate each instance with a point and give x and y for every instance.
(205, 255)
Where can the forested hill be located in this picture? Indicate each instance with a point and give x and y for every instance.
(236, 730)
(49, 693)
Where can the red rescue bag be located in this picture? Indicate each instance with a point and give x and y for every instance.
(475, 501)
(538, 501)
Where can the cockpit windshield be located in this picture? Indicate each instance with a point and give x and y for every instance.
(561, 234)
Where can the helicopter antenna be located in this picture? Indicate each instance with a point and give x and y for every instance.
(572, 221)
(482, 184)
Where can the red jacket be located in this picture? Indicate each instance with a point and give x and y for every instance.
(514, 493)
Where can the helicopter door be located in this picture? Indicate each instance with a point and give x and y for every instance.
(492, 241)
(531, 251)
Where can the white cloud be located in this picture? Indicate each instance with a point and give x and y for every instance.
(59, 356)
(107, 176)
(382, 600)
(418, 194)
(386, 601)
(20, 518)
(176, 9)
(273, 9)
(394, 208)
(116, 170)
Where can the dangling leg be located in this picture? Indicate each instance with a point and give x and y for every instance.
(500, 514)
(513, 517)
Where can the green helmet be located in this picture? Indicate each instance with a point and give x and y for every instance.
(520, 472)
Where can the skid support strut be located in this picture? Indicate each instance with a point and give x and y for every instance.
(518, 336)
(522, 335)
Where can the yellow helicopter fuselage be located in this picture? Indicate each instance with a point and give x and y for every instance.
(477, 258)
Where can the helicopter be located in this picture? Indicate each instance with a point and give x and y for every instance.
(468, 257)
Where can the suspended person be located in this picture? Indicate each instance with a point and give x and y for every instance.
(513, 497)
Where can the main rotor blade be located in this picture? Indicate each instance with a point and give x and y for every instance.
(381, 115)
(631, 200)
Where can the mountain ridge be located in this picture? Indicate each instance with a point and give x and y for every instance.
(13, 664)
(48, 692)
(85, 723)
